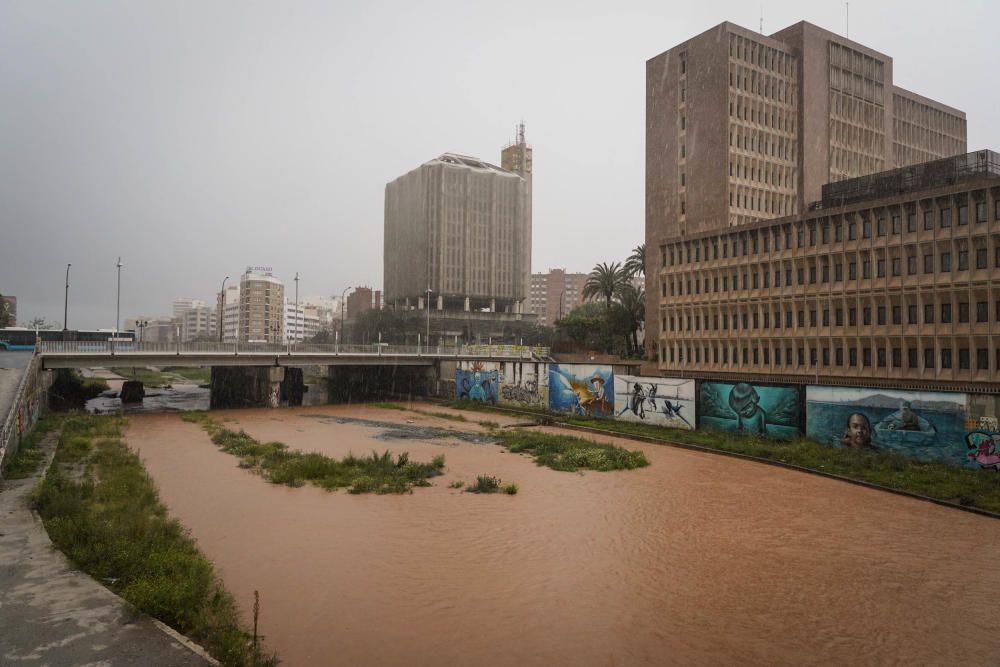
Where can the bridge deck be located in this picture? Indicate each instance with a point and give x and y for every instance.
(86, 354)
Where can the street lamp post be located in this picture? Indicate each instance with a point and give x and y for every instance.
(118, 297)
(222, 307)
(561, 295)
(66, 300)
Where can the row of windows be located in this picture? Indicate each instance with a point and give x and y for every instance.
(826, 270)
(822, 233)
(919, 114)
(933, 358)
(761, 113)
(766, 57)
(761, 171)
(768, 319)
(762, 85)
(760, 142)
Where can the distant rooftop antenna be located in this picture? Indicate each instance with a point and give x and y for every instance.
(520, 133)
(762, 18)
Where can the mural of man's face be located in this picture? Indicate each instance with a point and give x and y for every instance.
(858, 431)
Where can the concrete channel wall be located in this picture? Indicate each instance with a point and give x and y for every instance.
(30, 398)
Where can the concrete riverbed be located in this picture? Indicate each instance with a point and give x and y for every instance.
(696, 559)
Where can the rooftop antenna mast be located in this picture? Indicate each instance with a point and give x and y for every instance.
(761, 18)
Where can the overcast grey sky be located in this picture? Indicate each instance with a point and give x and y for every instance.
(196, 138)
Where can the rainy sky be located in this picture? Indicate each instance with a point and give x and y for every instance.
(196, 138)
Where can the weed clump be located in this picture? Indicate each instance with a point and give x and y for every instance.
(569, 453)
(488, 484)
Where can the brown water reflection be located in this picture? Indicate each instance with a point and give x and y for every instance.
(697, 559)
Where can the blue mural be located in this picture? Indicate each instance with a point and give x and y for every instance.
(754, 409)
(582, 389)
(477, 384)
(925, 425)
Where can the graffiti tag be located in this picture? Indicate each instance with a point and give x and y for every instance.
(528, 393)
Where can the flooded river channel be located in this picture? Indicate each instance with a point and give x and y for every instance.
(698, 559)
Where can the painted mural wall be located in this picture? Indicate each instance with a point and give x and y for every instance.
(582, 389)
(667, 402)
(524, 384)
(771, 410)
(930, 426)
(478, 381)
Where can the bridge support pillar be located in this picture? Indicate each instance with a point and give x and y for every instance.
(255, 386)
(275, 375)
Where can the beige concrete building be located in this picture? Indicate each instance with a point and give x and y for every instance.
(262, 307)
(461, 228)
(890, 277)
(198, 322)
(555, 294)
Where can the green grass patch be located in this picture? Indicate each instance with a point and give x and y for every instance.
(102, 510)
(488, 425)
(570, 453)
(147, 376)
(457, 484)
(374, 473)
(25, 462)
(195, 375)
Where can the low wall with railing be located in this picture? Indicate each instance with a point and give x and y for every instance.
(178, 348)
(29, 402)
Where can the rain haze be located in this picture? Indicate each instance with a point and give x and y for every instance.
(195, 139)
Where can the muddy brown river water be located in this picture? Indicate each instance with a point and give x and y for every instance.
(696, 560)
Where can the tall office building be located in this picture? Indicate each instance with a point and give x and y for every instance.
(262, 307)
(742, 126)
(461, 227)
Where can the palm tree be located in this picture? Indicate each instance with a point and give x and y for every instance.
(632, 304)
(606, 281)
(636, 263)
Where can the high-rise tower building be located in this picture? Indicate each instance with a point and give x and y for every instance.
(461, 228)
(742, 126)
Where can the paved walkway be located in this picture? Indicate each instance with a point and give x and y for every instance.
(53, 614)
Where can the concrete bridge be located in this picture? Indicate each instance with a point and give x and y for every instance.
(262, 374)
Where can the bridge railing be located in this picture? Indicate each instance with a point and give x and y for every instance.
(132, 347)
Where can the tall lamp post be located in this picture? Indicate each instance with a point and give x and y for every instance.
(118, 299)
(561, 295)
(66, 300)
(427, 304)
(297, 311)
(222, 307)
(343, 310)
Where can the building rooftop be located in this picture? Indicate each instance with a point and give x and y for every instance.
(468, 161)
(923, 176)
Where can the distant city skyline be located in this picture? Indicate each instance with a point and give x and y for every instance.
(193, 140)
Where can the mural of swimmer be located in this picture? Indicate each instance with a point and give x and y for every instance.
(925, 425)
